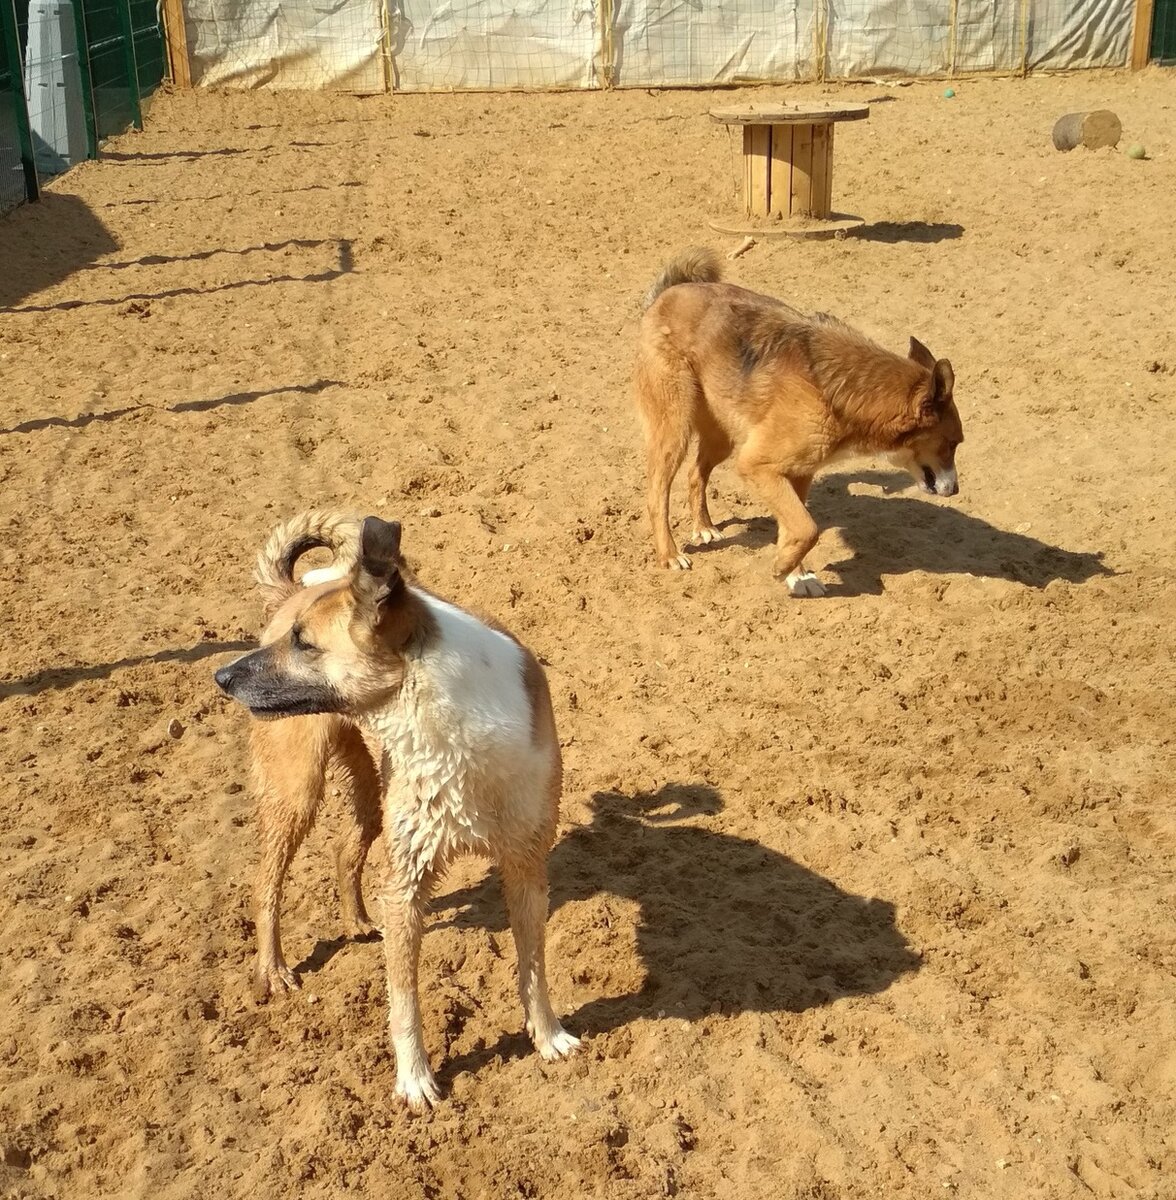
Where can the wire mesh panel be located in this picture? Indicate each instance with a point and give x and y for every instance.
(887, 37)
(12, 182)
(494, 44)
(416, 45)
(698, 42)
(989, 35)
(1163, 32)
(115, 93)
(18, 180)
(311, 44)
(147, 38)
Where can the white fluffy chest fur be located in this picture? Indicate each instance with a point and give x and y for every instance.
(460, 757)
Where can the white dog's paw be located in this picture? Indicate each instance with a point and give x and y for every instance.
(678, 562)
(419, 1092)
(707, 535)
(804, 584)
(559, 1045)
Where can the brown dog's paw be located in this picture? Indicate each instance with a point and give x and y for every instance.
(677, 562)
(273, 980)
(361, 929)
(804, 584)
(707, 535)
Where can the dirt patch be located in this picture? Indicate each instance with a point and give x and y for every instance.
(859, 897)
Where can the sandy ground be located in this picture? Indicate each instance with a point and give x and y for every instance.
(861, 897)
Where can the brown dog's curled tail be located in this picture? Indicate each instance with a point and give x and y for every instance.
(699, 264)
(335, 530)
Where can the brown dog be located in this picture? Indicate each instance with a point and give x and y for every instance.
(462, 716)
(291, 759)
(740, 373)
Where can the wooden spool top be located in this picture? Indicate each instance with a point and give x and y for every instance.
(817, 112)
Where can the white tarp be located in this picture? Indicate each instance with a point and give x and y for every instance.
(487, 44)
(915, 37)
(442, 44)
(695, 42)
(1092, 33)
(315, 46)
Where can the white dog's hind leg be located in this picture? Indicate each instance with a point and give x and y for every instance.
(525, 884)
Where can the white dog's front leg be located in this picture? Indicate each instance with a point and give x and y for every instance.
(403, 921)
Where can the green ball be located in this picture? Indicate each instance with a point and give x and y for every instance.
(1135, 150)
(948, 93)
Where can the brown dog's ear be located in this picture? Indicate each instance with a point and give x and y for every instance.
(942, 380)
(920, 354)
(377, 576)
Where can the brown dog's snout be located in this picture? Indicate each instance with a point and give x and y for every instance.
(226, 677)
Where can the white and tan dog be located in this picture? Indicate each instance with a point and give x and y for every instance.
(462, 714)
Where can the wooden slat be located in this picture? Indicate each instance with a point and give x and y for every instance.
(780, 200)
(1141, 34)
(802, 170)
(177, 43)
(757, 167)
(816, 113)
(822, 170)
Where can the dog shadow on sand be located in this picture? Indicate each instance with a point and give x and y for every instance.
(726, 925)
(894, 534)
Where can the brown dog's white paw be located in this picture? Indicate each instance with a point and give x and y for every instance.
(804, 584)
(273, 979)
(707, 535)
(677, 562)
(558, 1046)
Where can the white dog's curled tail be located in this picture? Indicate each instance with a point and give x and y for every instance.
(699, 264)
(336, 530)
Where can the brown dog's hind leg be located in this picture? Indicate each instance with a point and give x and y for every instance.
(525, 883)
(713, 447)
(666, 397)
(796, 531)
(289, 763)
(359, 780)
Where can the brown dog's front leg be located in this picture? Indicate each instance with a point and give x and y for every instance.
(796, 531)
(289, 758)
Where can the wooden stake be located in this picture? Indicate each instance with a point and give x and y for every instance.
(1141, 34)
(177, 43)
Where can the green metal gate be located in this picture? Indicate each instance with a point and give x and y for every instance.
(121, 61)
(1163, 32)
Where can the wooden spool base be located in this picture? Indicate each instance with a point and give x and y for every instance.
(815, 228)
(788, 157)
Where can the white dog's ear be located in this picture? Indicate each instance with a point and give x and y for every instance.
(377, 573)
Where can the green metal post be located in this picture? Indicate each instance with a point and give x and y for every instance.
(87, 78)
(20, 105)
(128, 36)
